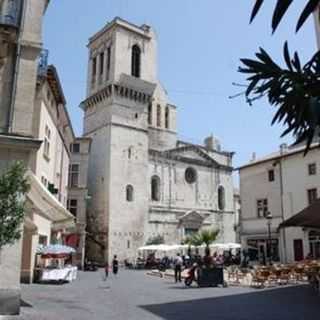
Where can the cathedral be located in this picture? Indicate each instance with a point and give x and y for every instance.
(143, 181)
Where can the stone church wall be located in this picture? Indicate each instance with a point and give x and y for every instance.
(127, 218)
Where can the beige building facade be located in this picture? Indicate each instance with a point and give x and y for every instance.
(34, 128)
(20, 44)
(46, 207)
(282, 184)
(145, 182)
(78, 197)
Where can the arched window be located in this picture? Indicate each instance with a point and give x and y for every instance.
(136, 61)
(150, 113)
(155, 188)
(221, 198)
(129, 193)
(158, 115)
(167, 118)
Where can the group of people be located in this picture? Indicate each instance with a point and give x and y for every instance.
(208, 260)
(180, 262)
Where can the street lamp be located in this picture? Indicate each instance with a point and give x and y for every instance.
(269, 221)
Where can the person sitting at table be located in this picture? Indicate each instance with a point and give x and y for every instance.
(207, 259)
(220, 260)
(309, 256)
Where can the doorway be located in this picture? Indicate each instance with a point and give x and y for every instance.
(298, 249)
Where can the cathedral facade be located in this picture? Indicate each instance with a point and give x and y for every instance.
(143, 181)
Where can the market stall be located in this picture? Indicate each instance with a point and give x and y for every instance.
(57, 264)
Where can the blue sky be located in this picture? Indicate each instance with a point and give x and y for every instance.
(200, 43)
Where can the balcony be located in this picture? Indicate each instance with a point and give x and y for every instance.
(10, 13)
(43, 63)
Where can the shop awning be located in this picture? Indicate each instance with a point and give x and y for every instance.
(45, 204)
(309, 217)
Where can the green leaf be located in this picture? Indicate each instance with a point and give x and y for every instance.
(309, 140)
(295, 92)
(256, 9)
(256, 65)
(286, 55)
(285, 132)
(265, 86)
(309, 9)
(13, 187)
(252, 85)
(280, 10)
(266, 58)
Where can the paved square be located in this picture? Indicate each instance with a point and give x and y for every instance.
(134, 295)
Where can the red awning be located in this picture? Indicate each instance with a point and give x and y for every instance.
(309, 217)
(72, 240)
(55, 255)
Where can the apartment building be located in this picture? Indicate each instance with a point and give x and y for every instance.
(47, 200)
(78, 197)
(272, 189)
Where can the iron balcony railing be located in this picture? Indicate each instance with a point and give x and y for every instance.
(43, 62)
(10, 12)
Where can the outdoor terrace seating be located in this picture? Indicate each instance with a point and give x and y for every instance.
(275, 275)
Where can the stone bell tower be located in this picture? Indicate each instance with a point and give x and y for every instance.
(120, 85)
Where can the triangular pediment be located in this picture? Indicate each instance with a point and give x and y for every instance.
(193, 153)
(192, 216)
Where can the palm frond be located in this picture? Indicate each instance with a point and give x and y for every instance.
(294, 91)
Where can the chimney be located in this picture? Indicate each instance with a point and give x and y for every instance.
(283, 148)
(253, 157)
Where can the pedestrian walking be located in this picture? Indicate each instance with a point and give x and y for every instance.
(177, 267)
(115, 265)
(106, 270)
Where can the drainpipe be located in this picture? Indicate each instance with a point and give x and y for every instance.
(17, 65)
(282, 210)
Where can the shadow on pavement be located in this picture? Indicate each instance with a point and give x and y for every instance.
(25, 304)
(294, 303)
(184, 287)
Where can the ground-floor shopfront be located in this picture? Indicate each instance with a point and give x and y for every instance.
(45, 216)
(287, 245)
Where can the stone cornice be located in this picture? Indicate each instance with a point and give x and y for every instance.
(115, 90)
(224, 153)
(12, 141)
(115, 124)
(183, 210)
(118, 22)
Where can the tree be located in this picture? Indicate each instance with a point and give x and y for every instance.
(293, 90)
(13, 188)
(203, 237)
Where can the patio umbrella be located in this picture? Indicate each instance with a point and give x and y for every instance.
(232, 245)
(158, 247)
(56, 251)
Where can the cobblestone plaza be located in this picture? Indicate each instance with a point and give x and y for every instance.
(134, 295)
